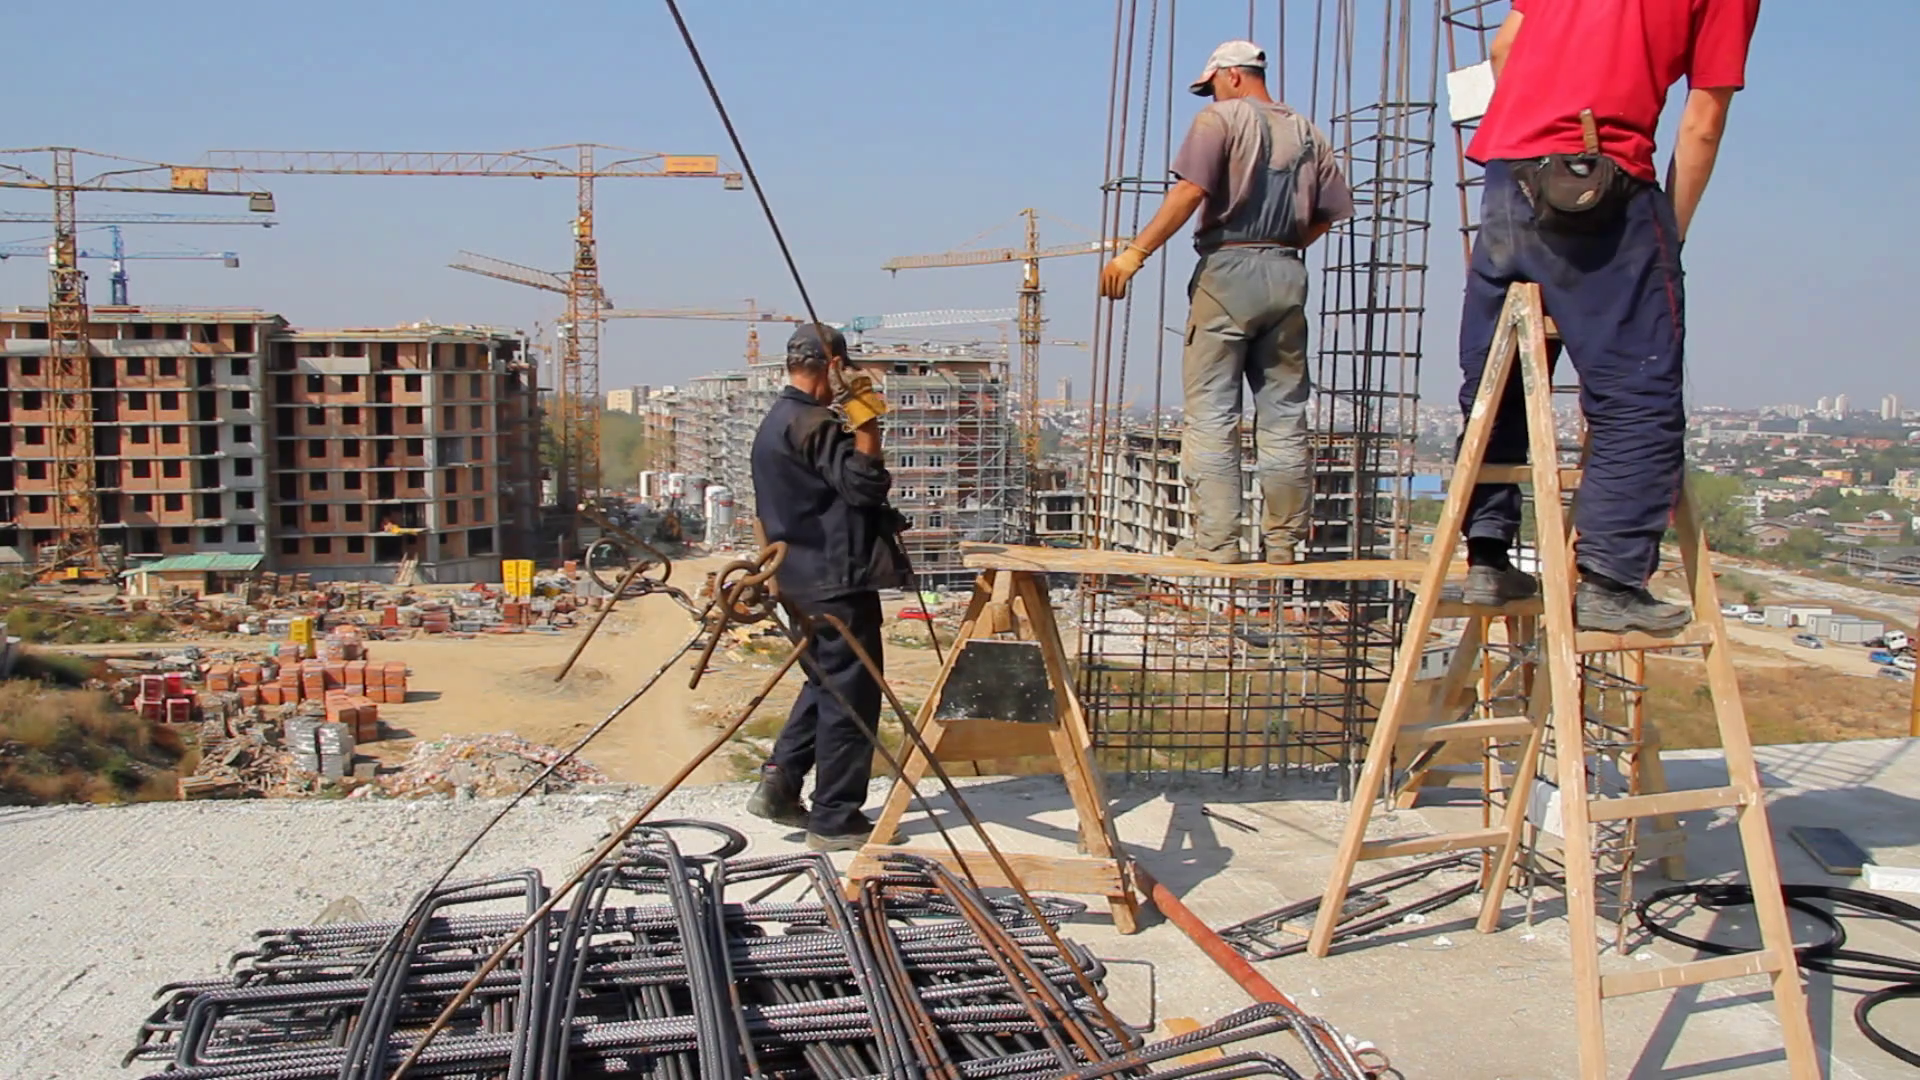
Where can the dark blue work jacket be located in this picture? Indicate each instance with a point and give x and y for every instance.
(827, 501)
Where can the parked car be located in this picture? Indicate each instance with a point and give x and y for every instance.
(1755, 618)
(1880, 656)
(1906, 663)
(1808, 641)
(1735, 609)
(1892, 673)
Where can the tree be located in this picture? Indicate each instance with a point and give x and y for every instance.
(1802, 547)
(624, 449)
(1724, 519)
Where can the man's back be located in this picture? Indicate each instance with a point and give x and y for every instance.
(1617, 58)
(814, 492)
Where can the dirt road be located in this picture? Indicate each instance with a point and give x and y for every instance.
(496, 683)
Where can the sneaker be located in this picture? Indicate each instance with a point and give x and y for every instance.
(855, 838)
(1493, 586)
(1186, 549)
(776, 800)
(1626, 611)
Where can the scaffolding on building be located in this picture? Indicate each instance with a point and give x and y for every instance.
(950, 444)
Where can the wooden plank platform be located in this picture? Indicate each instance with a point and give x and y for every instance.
(1051, 560)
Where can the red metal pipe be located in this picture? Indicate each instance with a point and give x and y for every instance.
(1217, 950)
(1223, 955)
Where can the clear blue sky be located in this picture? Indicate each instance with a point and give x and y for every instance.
(880, 129)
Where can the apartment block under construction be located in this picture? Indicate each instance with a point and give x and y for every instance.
(343, 453)
(410, 445)
(949, 441)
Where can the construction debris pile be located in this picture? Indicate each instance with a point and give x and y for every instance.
(501, 764)
(672, 965)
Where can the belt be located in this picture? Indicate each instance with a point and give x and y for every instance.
(1284, 249)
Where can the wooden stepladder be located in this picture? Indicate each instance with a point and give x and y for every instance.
(1522, 337)
(1005, 692)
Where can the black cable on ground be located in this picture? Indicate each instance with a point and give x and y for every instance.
(1828, 957)
(1862, 1018)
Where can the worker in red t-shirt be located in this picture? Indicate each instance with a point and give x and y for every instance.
(1572, 203)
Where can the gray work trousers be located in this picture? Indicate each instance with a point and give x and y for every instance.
(1247, 324)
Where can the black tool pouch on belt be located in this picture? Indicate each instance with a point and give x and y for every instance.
(1577, 193)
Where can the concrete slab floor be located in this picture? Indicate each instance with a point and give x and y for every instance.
(103, 905)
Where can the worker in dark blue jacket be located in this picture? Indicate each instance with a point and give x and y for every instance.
(820, 486)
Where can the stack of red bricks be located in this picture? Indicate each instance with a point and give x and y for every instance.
(379, 682)
(243, 678)
(358, 712)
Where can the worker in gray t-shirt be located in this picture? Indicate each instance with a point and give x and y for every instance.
(1266, 185)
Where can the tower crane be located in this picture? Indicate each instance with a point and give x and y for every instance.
(76, 549)
(579, 397)
(120, 257)
(1029, 321)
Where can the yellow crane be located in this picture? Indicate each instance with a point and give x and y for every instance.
(577, 402)
(76, 549)
(1029, 321)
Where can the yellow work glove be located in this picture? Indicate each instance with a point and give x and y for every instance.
(857, 402)
(1113, 279)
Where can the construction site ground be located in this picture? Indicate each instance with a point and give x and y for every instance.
(96, 915)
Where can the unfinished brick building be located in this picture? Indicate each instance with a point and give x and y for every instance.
(177, 435)
(226, 431)
(415, 443)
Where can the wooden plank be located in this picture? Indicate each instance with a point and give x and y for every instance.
(1438, 842)
(981, 740)
(1665, 802)
(1187, 1025)
(1454, 609)
(1692, 973)
(1491, 727)
(1051, 560)
(1694, 635)
(1079, 874)
(1523, 474)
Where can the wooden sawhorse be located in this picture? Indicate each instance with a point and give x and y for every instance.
(1012, 605)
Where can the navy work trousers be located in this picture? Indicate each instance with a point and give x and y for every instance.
(1619, 302)
(820, 737)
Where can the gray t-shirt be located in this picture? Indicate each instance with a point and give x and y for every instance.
(1222, 150)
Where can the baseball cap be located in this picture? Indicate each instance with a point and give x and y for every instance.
(1233, 54)
(816, 341)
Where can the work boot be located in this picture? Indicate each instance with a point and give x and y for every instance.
(1625, 609)
(1282, 553)
(852, 838)
(777, 799)
(1187, 549)
(1493, 586)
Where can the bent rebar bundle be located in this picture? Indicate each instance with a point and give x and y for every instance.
(675, 965)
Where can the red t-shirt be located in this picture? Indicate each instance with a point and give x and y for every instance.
(1616, 57)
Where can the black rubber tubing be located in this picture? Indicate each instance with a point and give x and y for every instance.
(1827, 957)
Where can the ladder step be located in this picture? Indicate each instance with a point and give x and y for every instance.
(1692, 973)
(1426, 845)
(1523, 474)
(1491, 727)
(1455, 609)
(1599, 641)
(1665, 802)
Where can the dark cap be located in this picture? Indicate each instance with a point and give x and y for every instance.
(816, 341)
